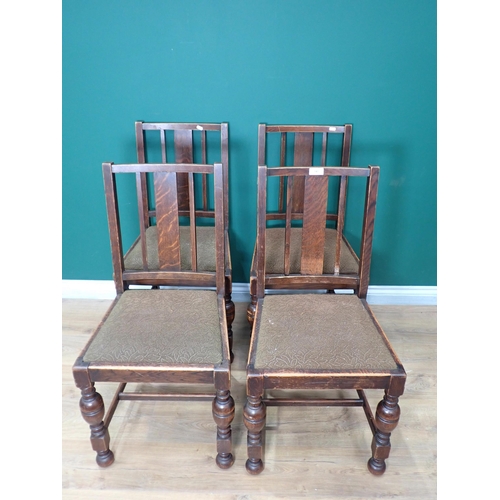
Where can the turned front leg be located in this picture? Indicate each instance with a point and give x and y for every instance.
(223, 413)
(386, 420)
(254, 416)
(92, 409)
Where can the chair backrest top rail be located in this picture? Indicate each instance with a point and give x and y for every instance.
(313, 170)
(182, 126)
(332, 129)
(198, 168)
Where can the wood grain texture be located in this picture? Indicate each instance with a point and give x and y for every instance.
(166, 449)
(302, 155)
(313, 247)
(169, 249)
(183, 143)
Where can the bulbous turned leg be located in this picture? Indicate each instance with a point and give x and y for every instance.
(254, 416)
(251, 309)
(230, 313)
(386, 420)
(223, 413)
(92, 409)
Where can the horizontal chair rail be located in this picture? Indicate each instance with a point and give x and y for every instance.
(141, 396)
(187, 213)
(294, 216)
(199, 278)
(162, 167)
(181, 126)
(120, 395)
(306, 170)
(316, 281)
(312, 402)
(306, 128)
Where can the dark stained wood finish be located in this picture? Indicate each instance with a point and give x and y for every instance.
(183, 140)
(261, 378)
(313, 237)
(303, 155)
(169, 248)
(291, 200)
(130, 370)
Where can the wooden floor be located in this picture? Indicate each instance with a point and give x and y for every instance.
(167, 450)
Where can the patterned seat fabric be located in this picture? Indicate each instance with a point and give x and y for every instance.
(275, 244)
(319, 331)
(205, 247)
(160, 326)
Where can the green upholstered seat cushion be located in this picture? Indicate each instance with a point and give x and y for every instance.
(160, 326)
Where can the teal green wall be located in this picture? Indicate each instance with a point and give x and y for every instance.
(372, 64)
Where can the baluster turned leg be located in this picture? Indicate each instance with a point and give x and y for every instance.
(254, 416)
(386, 420)
(92, 409)
(223, 413)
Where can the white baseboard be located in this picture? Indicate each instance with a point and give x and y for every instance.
(377, 295)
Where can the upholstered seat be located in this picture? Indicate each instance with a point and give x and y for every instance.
(205, 249)
(155, 326)
(275, 245)
(319, 332)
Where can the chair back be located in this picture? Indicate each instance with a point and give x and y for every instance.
(313, 221)
(304, 145)
(172, 223)
(182, 143)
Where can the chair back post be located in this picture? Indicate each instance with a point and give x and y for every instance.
(220, 243)
(261, 144)
(367, 231)
(114, 226)
(142, 185)
(224, 145)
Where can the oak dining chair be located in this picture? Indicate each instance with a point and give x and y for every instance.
(313, 340)
(169, 338)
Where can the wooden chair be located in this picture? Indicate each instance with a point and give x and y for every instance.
(184, 143)
(301, 145)
(163, 336)
(304, 341)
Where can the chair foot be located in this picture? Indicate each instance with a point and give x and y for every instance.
(224, 460)
(376, 467)
(223, 414)
(386, 420)
(105, 458)
(92, 409)
(254, 466)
